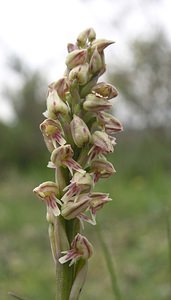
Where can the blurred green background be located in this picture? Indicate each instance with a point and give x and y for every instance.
(134, 225)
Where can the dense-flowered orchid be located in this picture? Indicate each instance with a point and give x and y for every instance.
(80, 248)
(62, 156)
(78, 133)
(48, 192)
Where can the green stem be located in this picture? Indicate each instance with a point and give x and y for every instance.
(82, 159)
(64, 273)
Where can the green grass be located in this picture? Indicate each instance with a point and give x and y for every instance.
(134, 226)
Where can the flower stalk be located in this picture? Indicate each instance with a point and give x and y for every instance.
(78, 133)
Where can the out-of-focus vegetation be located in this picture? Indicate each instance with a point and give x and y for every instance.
(134, 224)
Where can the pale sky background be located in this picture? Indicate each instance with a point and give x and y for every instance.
(39, 30)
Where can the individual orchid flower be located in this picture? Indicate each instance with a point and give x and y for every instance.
(101, 168)
(101, 44)
(81, 248)
(61, 86)
(85, 36)
(109, 123)
(102, 144)
(79, 183)
(96, 201)
(53, 133)
(62, 156)
(55, 105)
(47, 192)
(76, 57)
(75, 206)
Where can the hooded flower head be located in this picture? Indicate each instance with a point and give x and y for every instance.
(105, 90)
(62, 156)
(55, 105)
(95, 103)
(109, 123)
(102, 144)
(75, 206)
(79, 183)
(101, 168)
(53, 133)
(81, 248)
(97, 201)
(48, 192)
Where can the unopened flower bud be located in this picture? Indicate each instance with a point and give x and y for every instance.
(75, 58)
(96, 62)
(71, 47)
(62, 87)
(55, 106)
(105, 90)
(88, 34)
(101, 44)
(80, 73)
(80, 248)
(80, 131)
(109, 123)
(95, 103)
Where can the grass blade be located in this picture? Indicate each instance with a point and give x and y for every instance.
(15, 296)
(168, 228)
(110, 266)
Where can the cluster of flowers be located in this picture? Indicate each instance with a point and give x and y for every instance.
(78, 132)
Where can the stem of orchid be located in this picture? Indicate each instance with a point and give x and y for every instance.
(61, 178)
(64, 273)
(82, 159)
(81, 273)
